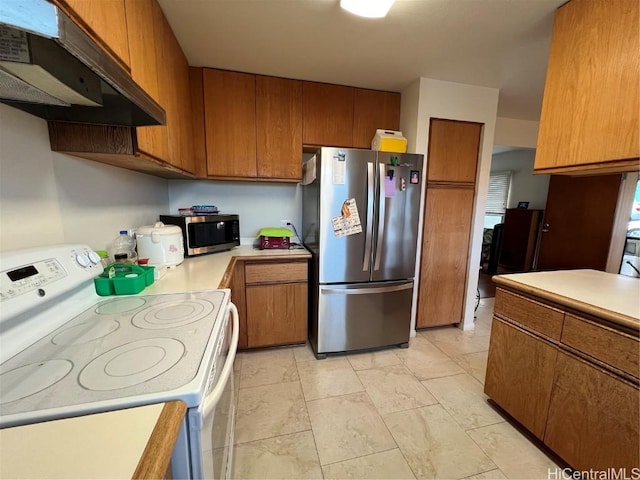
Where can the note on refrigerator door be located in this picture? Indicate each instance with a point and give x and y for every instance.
(389, 187)
(339, 169)
(348, 223)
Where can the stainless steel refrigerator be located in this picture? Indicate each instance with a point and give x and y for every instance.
(360, 222)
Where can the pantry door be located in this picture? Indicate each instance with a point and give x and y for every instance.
(578, 222)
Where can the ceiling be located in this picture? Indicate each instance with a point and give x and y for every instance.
(494, 43)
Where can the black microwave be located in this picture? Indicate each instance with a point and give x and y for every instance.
(206, 233)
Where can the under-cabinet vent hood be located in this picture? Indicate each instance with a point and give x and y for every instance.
(51, 68)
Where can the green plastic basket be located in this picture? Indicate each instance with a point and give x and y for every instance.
(125, 279)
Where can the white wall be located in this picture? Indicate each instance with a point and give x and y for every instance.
(525, 186)
(512, 132)
(48, 198)
(259, 204)
(456, 101)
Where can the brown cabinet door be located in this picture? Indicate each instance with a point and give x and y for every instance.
(144, 70)
(230, 123)
(593, 418)
(590, 106)
(327, 114)
(445, 247)
(520, 375)
(167, 73)
(197, 119)
(453, 151)
(184, 115)
(373, 110)
(276, 314)
(106, 21)
(238, 297)
(279, 128)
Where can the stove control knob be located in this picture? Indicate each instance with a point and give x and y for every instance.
(83, 260)
(94, 257)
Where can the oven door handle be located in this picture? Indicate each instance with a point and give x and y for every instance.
(212, 399)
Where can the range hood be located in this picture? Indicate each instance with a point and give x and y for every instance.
(51, 68)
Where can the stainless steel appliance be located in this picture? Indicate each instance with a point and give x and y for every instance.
(206, 233)
(360, 222)
(66, 352)
(51, 68)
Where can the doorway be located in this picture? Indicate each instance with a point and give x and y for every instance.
(515, 164)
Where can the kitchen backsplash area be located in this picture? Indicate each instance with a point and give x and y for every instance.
(48, 198)
(258, 204)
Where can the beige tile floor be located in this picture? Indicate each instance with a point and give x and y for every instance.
(397, 413)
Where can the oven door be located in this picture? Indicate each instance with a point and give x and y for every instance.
(211, 425)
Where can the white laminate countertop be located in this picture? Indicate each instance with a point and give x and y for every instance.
(103, 445)
(604, 292)
(205, 272)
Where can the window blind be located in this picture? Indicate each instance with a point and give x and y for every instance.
(498, 194)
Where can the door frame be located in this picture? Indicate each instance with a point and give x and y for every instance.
(620, 221)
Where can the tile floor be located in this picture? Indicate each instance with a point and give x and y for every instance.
(398, 413)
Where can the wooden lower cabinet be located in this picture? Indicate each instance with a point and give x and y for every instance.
(593, 418)
(520, 374)
(271, 297)
(276, 314)
(578, 392)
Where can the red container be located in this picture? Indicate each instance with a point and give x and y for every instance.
(274, 242)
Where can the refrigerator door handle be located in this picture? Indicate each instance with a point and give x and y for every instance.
(369, 233)
(381, 220)
(367, 290)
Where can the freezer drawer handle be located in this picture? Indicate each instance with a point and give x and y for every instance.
(366, 291)
(381, 213)
(369, 232)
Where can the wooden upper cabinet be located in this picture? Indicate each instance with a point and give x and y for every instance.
(197, 118)
(590, 109)
(453, 151)
(230, 123)
(105, 20)
(183, 114)
(144, 70)
(279, 128)
(373, 110)
(174, 92)
(327, 114)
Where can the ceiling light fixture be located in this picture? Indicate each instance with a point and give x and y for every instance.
(367, 8)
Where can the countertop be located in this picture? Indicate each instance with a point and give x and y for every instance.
(206, 272)
(607, 295)
(130, 443)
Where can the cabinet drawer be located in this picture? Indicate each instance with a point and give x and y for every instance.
(615, 348)
(529, 313)
(275, 272)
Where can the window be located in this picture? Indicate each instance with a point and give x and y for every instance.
(497, 198)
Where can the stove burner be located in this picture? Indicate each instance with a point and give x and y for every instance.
(131, 364)
(85, 332)
(32, 378)
(172, 314)
(119, 305)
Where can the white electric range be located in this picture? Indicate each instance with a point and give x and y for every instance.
(65, 351)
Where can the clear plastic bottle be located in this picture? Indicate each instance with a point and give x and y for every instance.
(124, 244)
